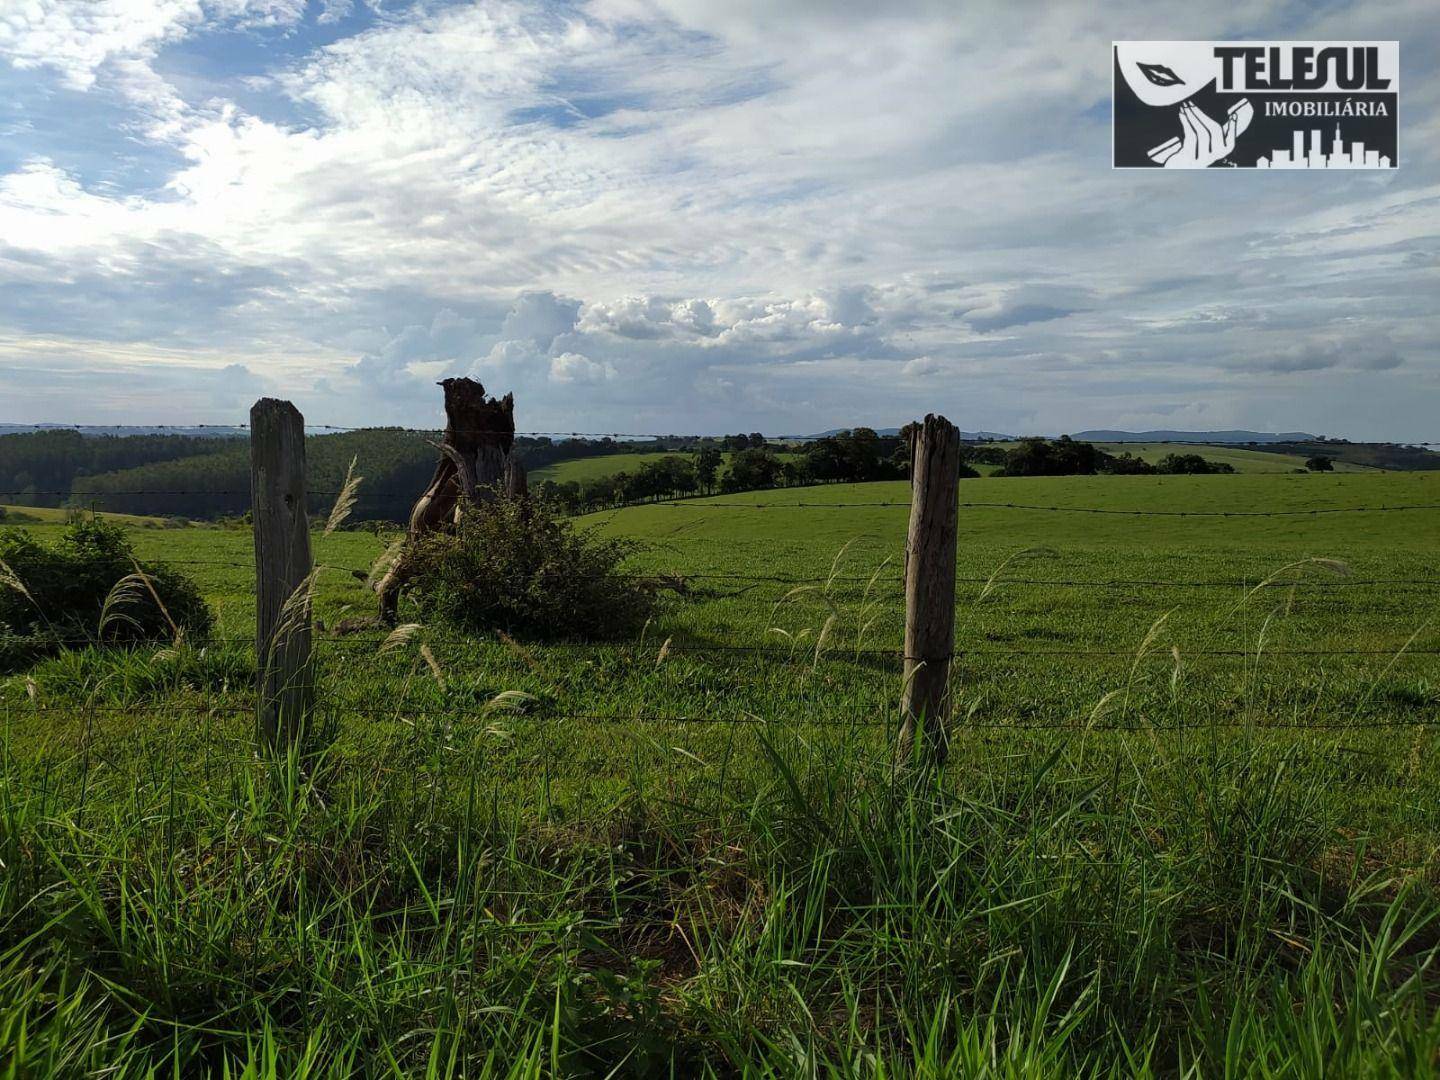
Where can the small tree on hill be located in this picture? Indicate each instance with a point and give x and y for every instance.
(750, 470)
(1320, 463)
(707, 466)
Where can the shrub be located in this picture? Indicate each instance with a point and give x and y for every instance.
(1128, 465)
(515, 566)
(1191, 465)
(55, 594)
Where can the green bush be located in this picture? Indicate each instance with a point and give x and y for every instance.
(1191, 465)
(54, 595)
(515, 566)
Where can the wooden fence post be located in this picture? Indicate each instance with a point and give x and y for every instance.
(930, 589)
(282, 571)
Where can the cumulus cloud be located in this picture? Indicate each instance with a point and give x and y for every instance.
(851, 305)
(540, 317)
(510, 360)
(446, 337)
(639, 317)
(721, 321)
(576, 368)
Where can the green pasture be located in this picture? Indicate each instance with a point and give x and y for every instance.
(786, 607)
(1188, 827)
(1242, 459)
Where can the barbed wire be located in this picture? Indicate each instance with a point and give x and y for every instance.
(865, 580)
(712, 504)
(438, 428)
(803, 650)
(680, 504)
(957, 726)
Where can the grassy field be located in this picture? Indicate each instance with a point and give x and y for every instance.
(1241, 459)
(1188, 828)
(592, 468)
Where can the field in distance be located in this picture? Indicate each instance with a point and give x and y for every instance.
(757, 570)
(50, 515)
(1242, 459)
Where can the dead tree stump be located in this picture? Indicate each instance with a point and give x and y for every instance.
(475, 467)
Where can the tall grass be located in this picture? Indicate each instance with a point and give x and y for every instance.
(471, 880)
(1071, 914)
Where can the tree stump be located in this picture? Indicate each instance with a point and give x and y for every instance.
(475, 467)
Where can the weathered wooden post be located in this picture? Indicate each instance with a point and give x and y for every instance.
(930, 590)
(282, 571)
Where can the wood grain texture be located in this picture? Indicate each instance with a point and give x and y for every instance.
(282, 571)
(930, 589)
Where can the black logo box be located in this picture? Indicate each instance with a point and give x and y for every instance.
(1278, 116)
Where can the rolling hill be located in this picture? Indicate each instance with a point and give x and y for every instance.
(1241, 459)
(1207, 437)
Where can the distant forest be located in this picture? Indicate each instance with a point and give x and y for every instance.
(208, 478)
(41, 468)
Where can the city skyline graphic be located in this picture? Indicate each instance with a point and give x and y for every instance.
(1299, 157)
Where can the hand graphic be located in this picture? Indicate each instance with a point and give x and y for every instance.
(1202, 141)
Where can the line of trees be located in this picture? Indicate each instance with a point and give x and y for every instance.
(208, 478)
(847, 457)
(1068, 457)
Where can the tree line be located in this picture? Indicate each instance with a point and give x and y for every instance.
(1069, 457)
(209, 478)
(754, 465)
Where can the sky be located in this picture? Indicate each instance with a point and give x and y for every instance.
(689, 216)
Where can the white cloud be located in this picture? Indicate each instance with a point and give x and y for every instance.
(540, 317)
(748, 209)
(77, 37)
(575, 368)
(920, 367)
